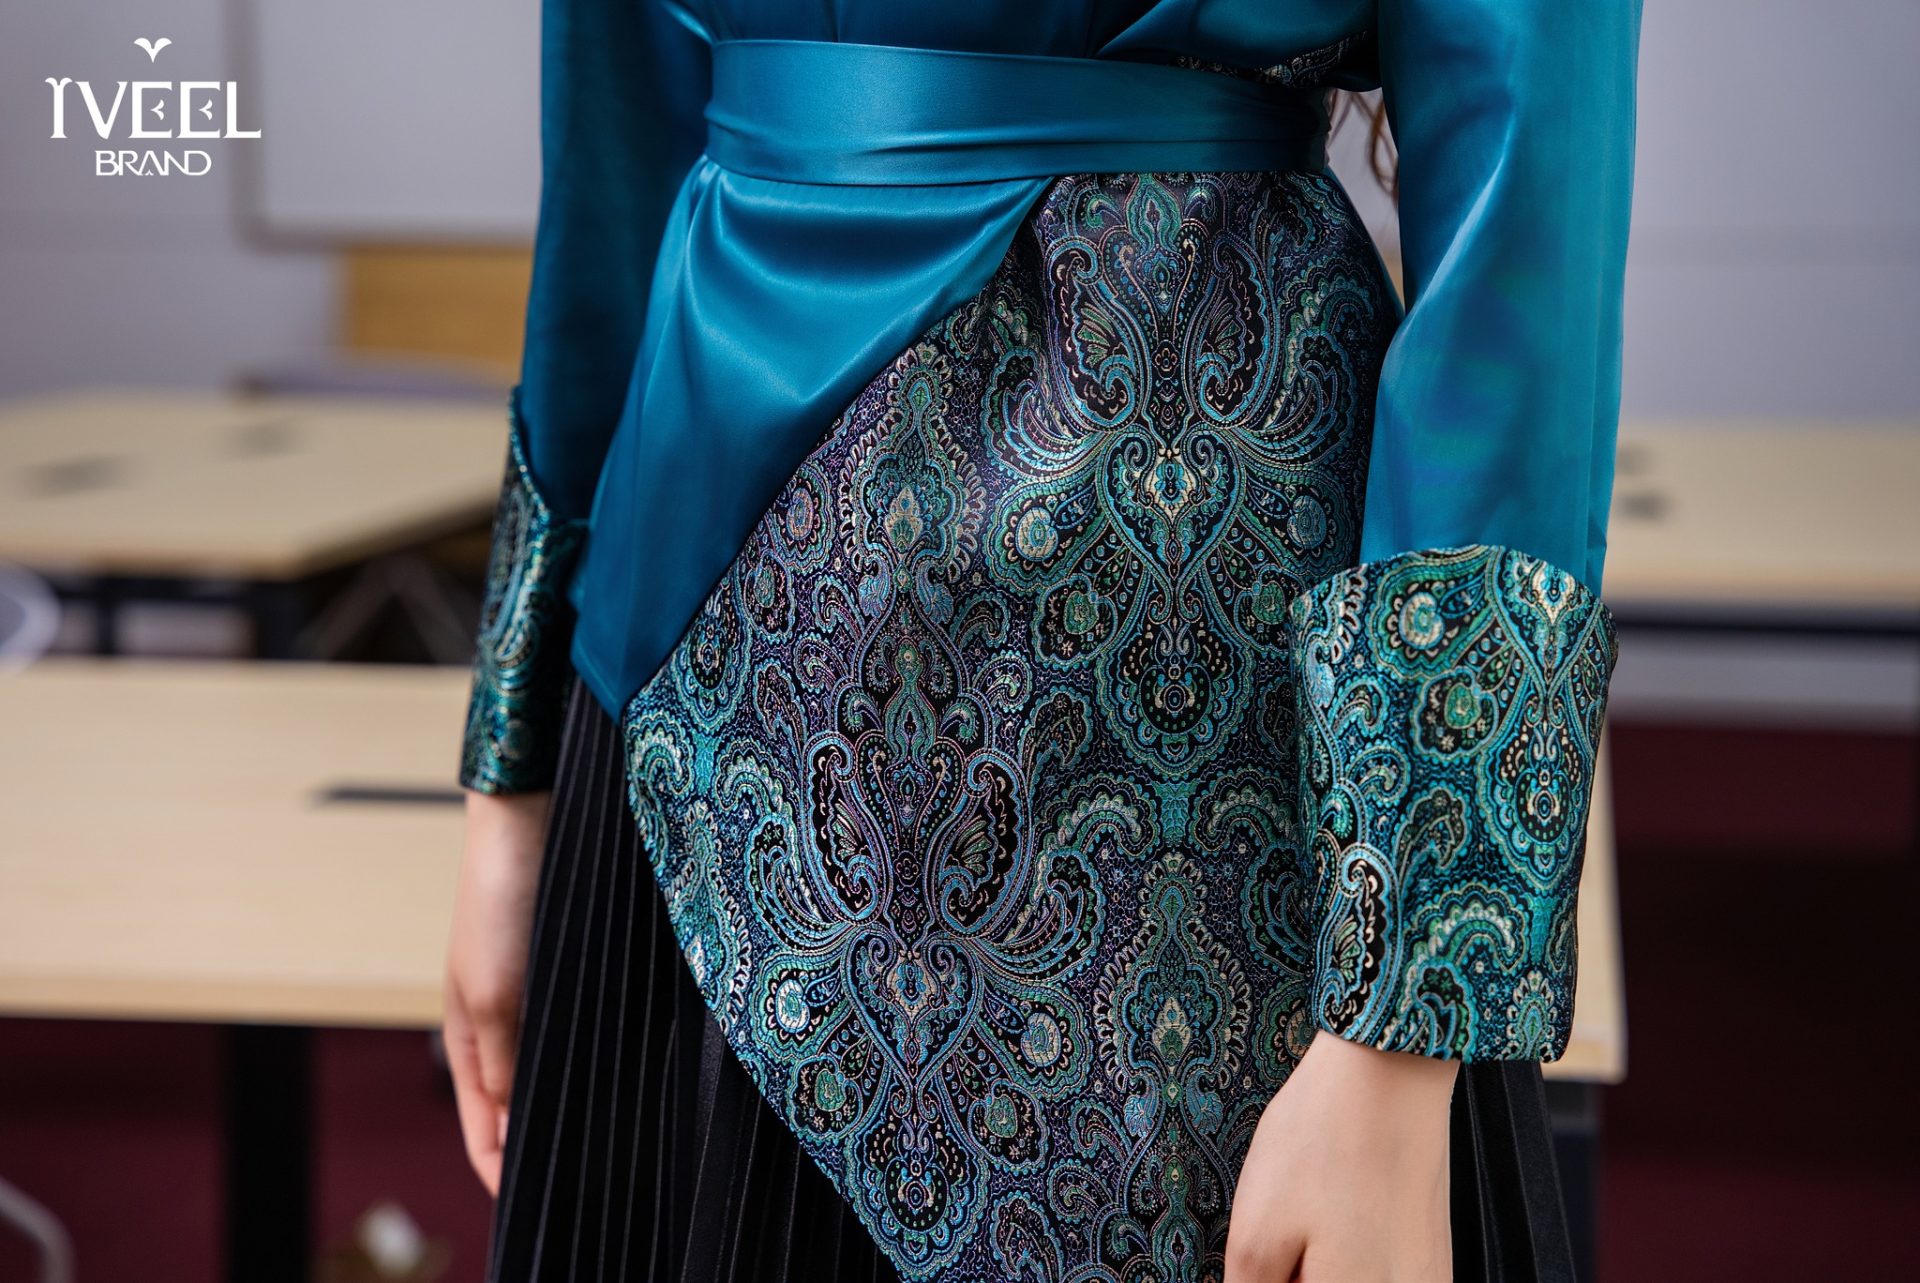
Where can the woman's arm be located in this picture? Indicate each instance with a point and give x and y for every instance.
(623, 85)
(1452, 686)
(487, 965)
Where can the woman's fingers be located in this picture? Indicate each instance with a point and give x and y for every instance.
(1263, 1254)
(482, 1120)
(496, 1031)
(1345, 1180)
(486, 965)
(1267, 1228)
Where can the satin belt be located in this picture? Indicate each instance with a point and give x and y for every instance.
(808, 111)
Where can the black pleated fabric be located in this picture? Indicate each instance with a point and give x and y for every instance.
(1509, 1224)
(638, 1148)
(641, 1152)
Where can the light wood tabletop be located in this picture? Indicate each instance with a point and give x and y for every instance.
(168, 852)
(1597, 1051)
(183, 484)
(1769, 514)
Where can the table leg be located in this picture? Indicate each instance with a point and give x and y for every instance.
(108, 596)
(278, 612)
(269, 1151)
(1575, 1108)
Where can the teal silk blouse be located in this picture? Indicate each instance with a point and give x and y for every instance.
(741, 223)
(1062, 738)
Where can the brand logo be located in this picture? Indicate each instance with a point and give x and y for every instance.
(147, 111)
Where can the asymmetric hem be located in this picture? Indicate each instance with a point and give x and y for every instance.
(642, 1152)
(639, 1150)
(1046, 772)
(1070, 636)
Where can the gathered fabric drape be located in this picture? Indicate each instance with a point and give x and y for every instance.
(1071, 633)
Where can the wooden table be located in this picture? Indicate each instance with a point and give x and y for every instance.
(1597, 1051)
(1753, 520)
(265, 846)
(170, 850)
(273, 847)
(142, 491)
(1768, 529)
(177, 847)
(1754, 528)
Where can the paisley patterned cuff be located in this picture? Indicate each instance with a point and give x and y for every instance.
(526, 625)
(1450, 709)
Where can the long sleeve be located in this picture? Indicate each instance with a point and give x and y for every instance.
(623, 85)
(1453, 684)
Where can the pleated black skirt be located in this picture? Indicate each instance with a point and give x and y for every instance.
(639, 1148)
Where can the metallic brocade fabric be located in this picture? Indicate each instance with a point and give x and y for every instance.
(976, 786)
(1045, 772)
(521, 668)
(1451, 705)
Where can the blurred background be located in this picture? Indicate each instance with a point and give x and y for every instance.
(258, 415)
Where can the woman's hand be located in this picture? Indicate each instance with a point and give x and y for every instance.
(1346, 1180)
(487, 964)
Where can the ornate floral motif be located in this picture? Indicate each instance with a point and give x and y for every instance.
(1179, 445)
(925, 783)
(526, 624)
(1451, 703)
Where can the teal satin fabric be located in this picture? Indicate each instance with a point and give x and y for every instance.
(779, 302)
(735, 236)
(850, 195)
(810, 111)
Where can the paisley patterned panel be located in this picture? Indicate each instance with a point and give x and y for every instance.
(973, 786)
(1451, 704)
(521, 669)
(1324, 66)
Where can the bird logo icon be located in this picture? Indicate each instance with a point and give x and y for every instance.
(153, 47)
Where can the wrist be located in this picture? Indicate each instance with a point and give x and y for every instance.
(507, 824)
(1420, 1083)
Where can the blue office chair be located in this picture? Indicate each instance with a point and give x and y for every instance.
(29, 617)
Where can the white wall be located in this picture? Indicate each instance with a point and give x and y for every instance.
(1775, 265)
(131, 280)
(400, 119)
(1775, 259)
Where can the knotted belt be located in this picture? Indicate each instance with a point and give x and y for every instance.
(875, 115)
(899, 179)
